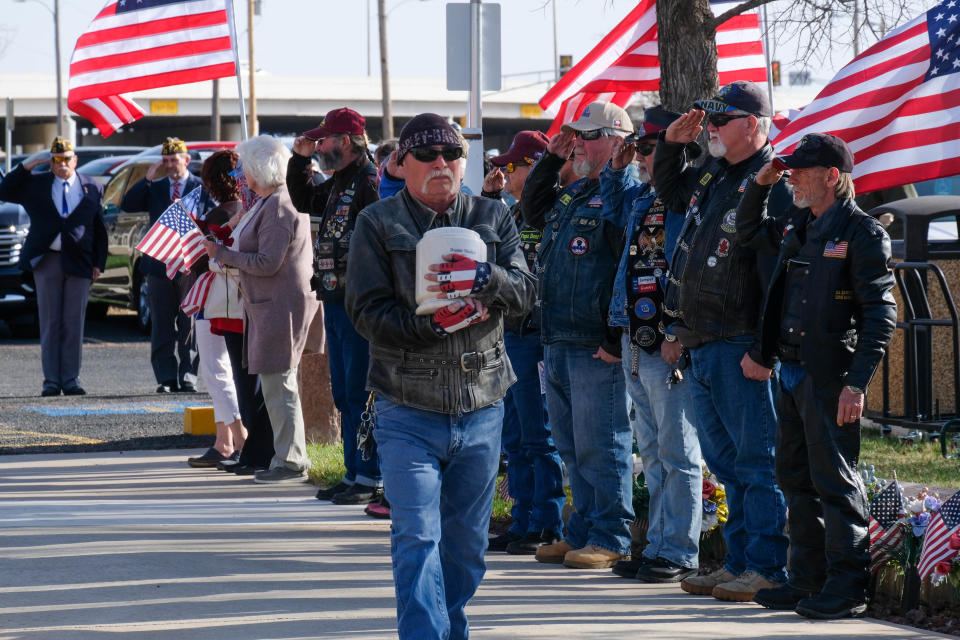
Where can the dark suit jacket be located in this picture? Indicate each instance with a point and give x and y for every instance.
(83, 236)
(154, 198)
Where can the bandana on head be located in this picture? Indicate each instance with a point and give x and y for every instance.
(426, 130)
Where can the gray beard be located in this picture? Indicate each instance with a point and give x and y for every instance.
(330, 161)
(716, 148)
(643, 173)
(583, 168)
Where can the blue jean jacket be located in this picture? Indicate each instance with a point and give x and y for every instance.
(625, 203)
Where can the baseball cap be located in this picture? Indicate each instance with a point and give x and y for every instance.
(820, 150)
(343, 120)
(527, 146)
(655, 120)
(738, 98)
(598, 115)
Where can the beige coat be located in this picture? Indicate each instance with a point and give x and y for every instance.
(274, 256)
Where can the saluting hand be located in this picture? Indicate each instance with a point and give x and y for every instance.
(686, 128)
(152, 171)
(768, 174)
(562, 144)
(624, 155)
(494, 181)
(393, 168)
(304, 146)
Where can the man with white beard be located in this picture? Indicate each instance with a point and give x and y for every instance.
(714, 294)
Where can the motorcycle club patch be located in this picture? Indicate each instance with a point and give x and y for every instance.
(723, 248)
(579, 246)
(644, 284)
(729, 223)
(645, 309)
(646, 336)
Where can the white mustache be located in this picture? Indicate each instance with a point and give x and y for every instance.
(440, 173)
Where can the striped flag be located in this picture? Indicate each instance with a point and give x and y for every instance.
(885, 531)
(174, 239)
(196, 298)
(133, 45)
(626, 61)
(897, 105)
(936, 540)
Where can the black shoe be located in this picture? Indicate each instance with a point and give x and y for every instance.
(629, 568)
(166, 387)
(827, 607)
(209, 459)
(357, 494)
(247, 469)
(280, 475)
(784, 598)
(228, 464)
(49, 391)
(76, 390)
(661, 570)
(527, 545)
(500, 542)
(187, 387)
(329, 492)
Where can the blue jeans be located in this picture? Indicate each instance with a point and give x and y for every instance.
(587, 403)
(349, 361)
(670, 451)
(534, 471)
(439, 474)
(736, 422)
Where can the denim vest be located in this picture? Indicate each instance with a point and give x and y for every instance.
(576, 265)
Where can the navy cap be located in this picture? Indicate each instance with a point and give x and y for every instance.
(820, 150)
(738, 98)
(655, 120)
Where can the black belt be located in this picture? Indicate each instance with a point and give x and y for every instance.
(468, 361)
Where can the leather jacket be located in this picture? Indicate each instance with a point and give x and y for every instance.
(577, 259)
(410, 363)
(848, 312)
(716, 283)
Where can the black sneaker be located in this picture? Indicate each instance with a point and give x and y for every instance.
(228, 464)
(783, 598)
(247, 469)
(329, 492)
(660, 570)
(527, 545)
(209, 459)
(500, 542)
(357, 494)
(280, 475)
(824, 606)
(629, 568)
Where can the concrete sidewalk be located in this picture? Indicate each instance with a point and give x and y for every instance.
(138, 545)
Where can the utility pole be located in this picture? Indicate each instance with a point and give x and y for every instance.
(253, 85)
(384, 73)
(215, 111)
(56, 48)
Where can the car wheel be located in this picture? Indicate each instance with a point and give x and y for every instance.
(143, 305)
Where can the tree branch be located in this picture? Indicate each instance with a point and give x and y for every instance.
(737, 10)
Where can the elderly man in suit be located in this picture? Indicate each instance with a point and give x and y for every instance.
(66, 249)
(173, 347)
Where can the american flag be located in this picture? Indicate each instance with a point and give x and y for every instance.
(835, 250)
(196, 298)
(626, 61)
(133, 45)
(897, 105)
(174, 239)
(936, 541)
(886, 534)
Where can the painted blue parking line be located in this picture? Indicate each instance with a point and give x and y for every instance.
(112, 409)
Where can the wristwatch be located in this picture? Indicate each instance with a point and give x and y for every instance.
(854, 389)
(669, 337)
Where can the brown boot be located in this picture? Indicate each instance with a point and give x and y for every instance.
(591, 557)
(743, 588)
(703, 585)
(553, 553)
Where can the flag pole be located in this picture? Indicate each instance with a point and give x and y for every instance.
(766, 57)
(236, 62)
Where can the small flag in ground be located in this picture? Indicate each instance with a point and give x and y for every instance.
(174, 239)
(196, 298)
(936, 541)
(886, 534)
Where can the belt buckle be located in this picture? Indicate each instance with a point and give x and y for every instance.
(463, 363)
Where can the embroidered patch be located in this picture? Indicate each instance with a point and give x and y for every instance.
(743, 185)
(705, 179)
(595, 201)
(787, 229)
(346, 199)
(729, 223)
(843, 294)
(644, 284)
(330, 281)
(712, 261)
(645, 308)
(723, 248)
(653, 219)
(835, 250)
(645, 336)
(579, 246)
(565, 199)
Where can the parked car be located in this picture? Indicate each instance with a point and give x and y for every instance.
(101, 169)
(18, 299)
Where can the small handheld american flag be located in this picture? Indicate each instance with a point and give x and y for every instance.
(196, 298)
(174, 239)
(886, 534)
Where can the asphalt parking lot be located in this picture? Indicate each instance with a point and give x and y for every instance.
(121, 411)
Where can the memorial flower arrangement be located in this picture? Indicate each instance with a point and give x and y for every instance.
(715, 510)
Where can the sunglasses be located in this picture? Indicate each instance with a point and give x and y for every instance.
(596, 134)
(56, 160)
(510, 167)
(429, 154)
(645, 148)
(721, 119)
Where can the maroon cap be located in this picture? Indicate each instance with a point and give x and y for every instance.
(527, 146)
(342, 120)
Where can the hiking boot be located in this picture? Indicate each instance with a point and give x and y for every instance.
(500, 542)
(783, 598)
(553, 553)
(591, 557)
(703, 585)
(824, 606)
(744, 588)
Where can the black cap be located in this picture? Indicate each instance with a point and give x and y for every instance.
(738, 98)
(820, 150)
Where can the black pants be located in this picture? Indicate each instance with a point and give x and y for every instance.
(827, 508)
(173, 346)
(258, 449)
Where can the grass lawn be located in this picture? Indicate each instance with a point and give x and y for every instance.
(920, 463)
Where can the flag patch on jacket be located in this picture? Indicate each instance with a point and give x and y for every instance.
(835, 250)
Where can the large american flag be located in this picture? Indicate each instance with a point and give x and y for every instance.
(133, 45)
(174, 239)
(886, 534)
(626, 61)
(897, 105)
(936, 540)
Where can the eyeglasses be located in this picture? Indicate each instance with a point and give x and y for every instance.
(510, 167)
(56, 160)
(645, 148)
(721, 119)
(429, 154)
(589, 135)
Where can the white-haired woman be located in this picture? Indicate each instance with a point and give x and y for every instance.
(274, 256)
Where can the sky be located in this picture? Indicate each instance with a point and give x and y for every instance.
(329, 37)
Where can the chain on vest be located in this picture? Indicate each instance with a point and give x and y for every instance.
(646, 266)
